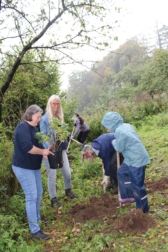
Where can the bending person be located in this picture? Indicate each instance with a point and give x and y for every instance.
(81, 127)
(54, 109)
(102, 147)
(131, 174)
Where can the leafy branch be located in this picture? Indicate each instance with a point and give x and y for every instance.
(57, 134)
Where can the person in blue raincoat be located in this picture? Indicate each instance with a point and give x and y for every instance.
(102, 147)
(131, 173)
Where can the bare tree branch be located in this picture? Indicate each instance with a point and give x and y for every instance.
(80, 12)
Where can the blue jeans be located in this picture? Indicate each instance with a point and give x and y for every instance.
(31, 184)
(131, 185)
(52, 175)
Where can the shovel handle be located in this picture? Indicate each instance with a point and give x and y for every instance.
(118, 165)
(71, 138)
(75, 141)
(104, 185)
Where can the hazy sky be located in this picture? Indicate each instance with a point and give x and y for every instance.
(142, 15)
(136, 17)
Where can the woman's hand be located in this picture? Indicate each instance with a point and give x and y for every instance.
(47, 152)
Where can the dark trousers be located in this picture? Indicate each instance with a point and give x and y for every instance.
(82, 136)
(113, 167)
(131, 185)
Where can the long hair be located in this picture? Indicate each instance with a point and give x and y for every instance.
(80, 119)
(59, 114)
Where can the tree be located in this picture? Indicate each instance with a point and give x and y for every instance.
(40, 25)
(31, 84)
(118, 71)
(155, 77)
(162, 35)
(79, 83)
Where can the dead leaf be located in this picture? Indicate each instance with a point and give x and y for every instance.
(76, 230)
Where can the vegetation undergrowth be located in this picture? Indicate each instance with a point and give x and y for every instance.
(67, 234)
(136, 112)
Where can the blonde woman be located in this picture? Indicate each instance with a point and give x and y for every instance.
(54, 109)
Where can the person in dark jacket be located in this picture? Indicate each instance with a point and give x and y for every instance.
(26, 164)
(81, 127)
(102, 147)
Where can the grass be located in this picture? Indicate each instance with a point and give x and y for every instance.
(86, 180)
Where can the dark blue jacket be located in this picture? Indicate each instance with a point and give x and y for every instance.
(104, 144)
(24, 139)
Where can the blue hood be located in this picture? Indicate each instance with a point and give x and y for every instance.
(112, 120)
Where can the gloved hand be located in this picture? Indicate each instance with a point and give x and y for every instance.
(69, 138)
(105, 180)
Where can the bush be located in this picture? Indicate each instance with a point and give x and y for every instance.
(11, 236)
(8, 181)
(94, 122)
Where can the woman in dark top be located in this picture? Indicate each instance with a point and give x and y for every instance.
(26, 163)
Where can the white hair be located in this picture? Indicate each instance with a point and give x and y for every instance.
(89, 149)
(60, 114)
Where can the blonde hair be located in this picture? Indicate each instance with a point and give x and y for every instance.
(60, 114)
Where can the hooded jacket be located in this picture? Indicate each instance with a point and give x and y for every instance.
(104, 145)
(126, 140)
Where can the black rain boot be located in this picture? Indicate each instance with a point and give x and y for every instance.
(110, 186)
(115, 190)
(55, 203)
(70, 194)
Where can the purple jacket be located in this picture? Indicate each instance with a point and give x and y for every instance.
(82, 127)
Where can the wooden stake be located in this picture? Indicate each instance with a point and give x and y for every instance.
(118, 165)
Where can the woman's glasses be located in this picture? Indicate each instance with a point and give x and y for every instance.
(55, 103)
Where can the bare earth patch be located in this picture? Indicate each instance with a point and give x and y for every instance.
(97, 209)
(105, 209)
(157, 185)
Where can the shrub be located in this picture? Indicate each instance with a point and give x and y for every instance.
(8, 182)
(12, 236)
(94, 122)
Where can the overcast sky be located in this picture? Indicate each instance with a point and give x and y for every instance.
(137, 17)
(142, 15)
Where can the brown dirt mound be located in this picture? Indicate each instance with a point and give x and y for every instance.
(105, 208)
(157, 185)
(133, 222)
(97, 209)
